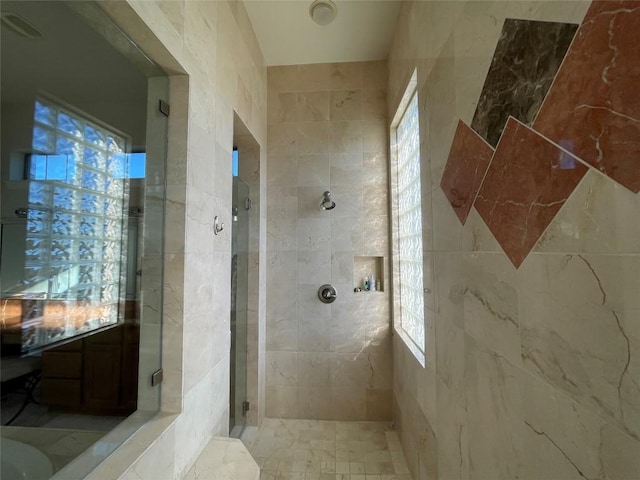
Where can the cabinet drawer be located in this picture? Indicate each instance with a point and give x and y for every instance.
(62, 365)
(61, 392)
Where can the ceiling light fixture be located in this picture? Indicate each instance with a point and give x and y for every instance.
(323, 11)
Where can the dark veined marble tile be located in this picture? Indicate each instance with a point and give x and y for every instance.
(525, 61)
(593, 107)
(466, 166)
(527, 183)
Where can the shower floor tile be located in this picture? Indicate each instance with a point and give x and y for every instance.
(328, 450)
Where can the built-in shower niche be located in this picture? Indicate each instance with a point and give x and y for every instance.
(364, 267)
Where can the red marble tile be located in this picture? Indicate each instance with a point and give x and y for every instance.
(527, 183)
(593, 106)
(466, 166)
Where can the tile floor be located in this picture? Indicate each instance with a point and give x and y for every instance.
(327, 450)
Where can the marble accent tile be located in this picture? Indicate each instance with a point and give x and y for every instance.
(468, 161)
(590, 110)
(526, 59)
(584, 338)
(563, 439)
(528, 181)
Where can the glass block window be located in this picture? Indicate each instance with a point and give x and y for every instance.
(77, 194)
(408, 223)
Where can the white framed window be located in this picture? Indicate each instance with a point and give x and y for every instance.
(406, 193)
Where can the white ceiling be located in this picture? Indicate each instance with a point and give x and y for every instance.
(362, 31)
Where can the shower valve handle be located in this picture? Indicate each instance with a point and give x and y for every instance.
(327, 293)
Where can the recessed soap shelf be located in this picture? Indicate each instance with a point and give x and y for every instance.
(364, 266)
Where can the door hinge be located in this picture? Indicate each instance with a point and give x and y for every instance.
(164, 108)
(156, 378)
(246, 406)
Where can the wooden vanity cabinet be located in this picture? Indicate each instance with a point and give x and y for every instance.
(97, 374)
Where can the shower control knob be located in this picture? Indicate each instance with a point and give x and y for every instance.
(327, 293)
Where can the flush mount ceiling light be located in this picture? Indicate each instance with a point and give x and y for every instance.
(323, 11)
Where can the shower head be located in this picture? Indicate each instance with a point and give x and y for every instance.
(327, 203)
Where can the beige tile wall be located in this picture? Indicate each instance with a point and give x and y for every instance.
(217, 68)
(327, 130)
(482, 408)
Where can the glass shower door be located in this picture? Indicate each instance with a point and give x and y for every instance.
(239, 289)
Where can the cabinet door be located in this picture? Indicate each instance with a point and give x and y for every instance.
(130, 367)
(102, 376)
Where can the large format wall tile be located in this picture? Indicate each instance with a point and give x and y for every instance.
(328, 132)
(494, 413)
(490, 300)
(526, 59)
(584, 336)
(466, 166)
(528, 181)
(593, 108)
(574, 442)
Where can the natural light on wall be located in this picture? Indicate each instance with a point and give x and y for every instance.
(407, 218)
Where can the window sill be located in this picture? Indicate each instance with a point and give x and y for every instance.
(413, 348)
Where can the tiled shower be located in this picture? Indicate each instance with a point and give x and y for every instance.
(529, 186)
(327, 131)
(530, 365)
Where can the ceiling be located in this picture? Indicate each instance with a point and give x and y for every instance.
(362, 31)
